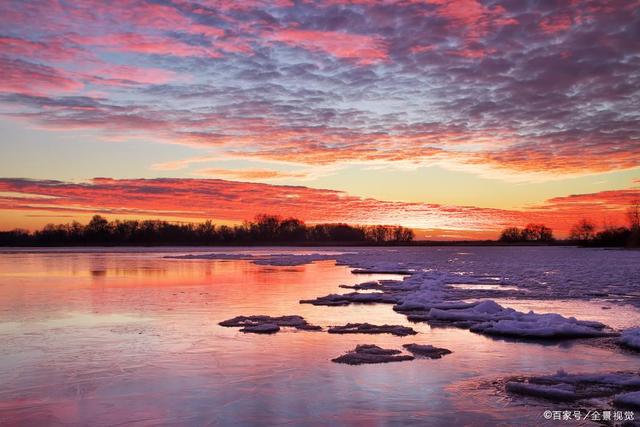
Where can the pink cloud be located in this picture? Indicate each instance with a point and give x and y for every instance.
(556, 23)
(123, 75)
(232, 5)
(474, 18)
(146, 44)
(34, 79)
(362, 49)
(423, 48)
(50, 49)
(489, 92)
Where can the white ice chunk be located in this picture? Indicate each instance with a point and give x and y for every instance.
(565, 392)
(484, 311)
(493, 319)
(631, 338)
(628, 399)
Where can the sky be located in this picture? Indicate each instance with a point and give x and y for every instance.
(455, 118)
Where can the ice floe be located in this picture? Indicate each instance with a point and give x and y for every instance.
(367, 328)
(369, 353)
(631, 338)
(559, 392)
(261, 328)
(546, 326)
(543, 274)
(352, 297)
(631, 399)
(262, 324)
(426, 350)
(622, 386)
(426, 294)
(374, 270)
(489, 317)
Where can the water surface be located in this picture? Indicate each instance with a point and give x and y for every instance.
(130, 337)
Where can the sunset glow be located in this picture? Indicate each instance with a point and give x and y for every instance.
(456, 118)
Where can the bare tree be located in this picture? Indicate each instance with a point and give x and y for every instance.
(511, 235)
(583, 231)
(537, 233)
(633, 215)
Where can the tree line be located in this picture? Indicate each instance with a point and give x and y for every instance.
(531, 233)
(264, 229)
(583, 233)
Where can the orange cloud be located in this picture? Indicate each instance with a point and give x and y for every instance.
(235, 201)
(250, 174)
(611, 200)
(575, 154)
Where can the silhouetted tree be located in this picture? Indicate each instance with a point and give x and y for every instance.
(537, 233)
(531, 233)
(98, 230)
(511, 235)
(378, 233)
(292, 230)
(633, 215)
(264, 229)
(402, 234)
(17, 237)
(583, 231)
(611, 236)
(205, 233)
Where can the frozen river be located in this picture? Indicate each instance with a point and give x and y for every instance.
(109, 337)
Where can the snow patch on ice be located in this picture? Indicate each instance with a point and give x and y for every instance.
(624, 387)
(262, 324)
(367, 328)
(369, 353)
(628, 399)
(425, 293)
(426, 350)
(631, 338)
(561, 392)
(532, 325)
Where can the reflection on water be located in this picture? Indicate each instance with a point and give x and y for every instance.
(483, 287)
(108, 338)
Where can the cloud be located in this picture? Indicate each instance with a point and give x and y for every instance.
(235, 201)
(610, 200)
(125, 75)
(230, 200)
(146, 44)
(250, 174)
(28, 78)
(183, 163)
(362, 49)
(51, 49)
(523, 87)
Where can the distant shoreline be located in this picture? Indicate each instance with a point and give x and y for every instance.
(309, 244)
(275, 231)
